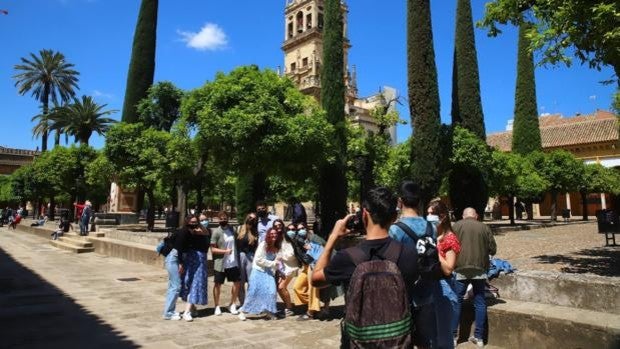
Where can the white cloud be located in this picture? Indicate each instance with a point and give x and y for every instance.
(592, 98)
(97, 93)
(210, 38)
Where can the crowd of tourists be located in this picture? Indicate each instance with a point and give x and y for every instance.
(404, 283)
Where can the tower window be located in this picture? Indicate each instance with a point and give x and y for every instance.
(293, 67)
(300, 22)
(320, 21)
(304, 62)
(290, 29)
(309, 20)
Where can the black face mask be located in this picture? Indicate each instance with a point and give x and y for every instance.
(261, 213)
(192, 225)
(223, 223)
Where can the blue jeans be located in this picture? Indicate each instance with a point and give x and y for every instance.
(480, 305)
(174, 283)
(445, 308)
(245, 269)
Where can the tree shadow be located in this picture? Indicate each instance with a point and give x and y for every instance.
(604, 261)
(36, 314)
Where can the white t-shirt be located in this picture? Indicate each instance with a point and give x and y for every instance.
(229, 240)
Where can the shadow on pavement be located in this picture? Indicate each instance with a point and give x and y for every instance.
(604, 261)
(36, 314)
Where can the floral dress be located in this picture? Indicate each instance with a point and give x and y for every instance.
(262, 293)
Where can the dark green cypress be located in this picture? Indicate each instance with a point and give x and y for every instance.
(467, 185)
(333, 182)
(423, 99)
(142, 65)
(250, 188)
(526, 131)
(466, 103)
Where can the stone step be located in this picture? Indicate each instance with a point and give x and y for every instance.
(76, 242)
(71, 247)
(588, 292)
(519, 324)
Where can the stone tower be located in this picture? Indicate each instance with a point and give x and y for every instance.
(303, 55)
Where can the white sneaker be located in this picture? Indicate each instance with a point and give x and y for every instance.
(241, 316)
(187, 317)
(218, 311)
(233, 309)
(477, 341)
(174, 317)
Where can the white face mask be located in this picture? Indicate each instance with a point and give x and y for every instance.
(432, 218)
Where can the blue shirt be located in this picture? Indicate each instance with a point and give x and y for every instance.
(263, 225)
(423, 289)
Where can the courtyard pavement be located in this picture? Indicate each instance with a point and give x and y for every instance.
(50, 298)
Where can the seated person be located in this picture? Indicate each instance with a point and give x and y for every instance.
(63, 227)
(39, 222)
(13, 223)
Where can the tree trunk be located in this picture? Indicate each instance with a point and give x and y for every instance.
(51, 213)
(511, 209)
(199, 197)
(584, 204)
(529, 210)
(150, 213)
(181, 203)
(57, 138)
(554, 204)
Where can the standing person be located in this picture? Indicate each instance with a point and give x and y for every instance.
(194, 287)
(422, 297)
(265, 220)
(445, 298)
(174, 262)
(290, 266)
(245, 244)
(472, 264)
(378, 213)
(262, 295)
(299, 212)
(225, 263)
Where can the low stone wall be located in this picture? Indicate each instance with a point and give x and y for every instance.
(144, 238)
(571, 290)
(126, 250)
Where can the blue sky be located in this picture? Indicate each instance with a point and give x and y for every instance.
(96, 36)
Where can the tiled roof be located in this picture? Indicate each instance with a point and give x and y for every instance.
(13, 151)
(556, 132)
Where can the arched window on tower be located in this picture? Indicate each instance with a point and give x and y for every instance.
(290, 30)
(320, 25)
(300, 22)
(309, 20)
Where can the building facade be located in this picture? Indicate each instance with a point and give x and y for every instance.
(12, 159)
(593, 138)
(303, 55)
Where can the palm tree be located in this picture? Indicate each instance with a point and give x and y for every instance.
(47, 123)
(47, 76)
(83, 117)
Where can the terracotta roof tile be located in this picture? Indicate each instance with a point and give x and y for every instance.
(557, 132)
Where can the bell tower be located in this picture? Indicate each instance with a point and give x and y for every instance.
(303, 45)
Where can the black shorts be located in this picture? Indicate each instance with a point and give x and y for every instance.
(230, 274)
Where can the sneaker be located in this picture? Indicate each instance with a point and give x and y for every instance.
(241, 316)
(218, 311)
(187, 317)
(174, 317)
(477, 341)
(233, 309)
(304, 317)
(288, 312)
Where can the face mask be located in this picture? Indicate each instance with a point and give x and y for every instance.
(432, 218)
(204, 223)
(262, 213)
(223, 223)
(192, 225)
(302, 233)
(291, 234)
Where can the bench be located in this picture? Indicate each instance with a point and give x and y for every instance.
(608, 224)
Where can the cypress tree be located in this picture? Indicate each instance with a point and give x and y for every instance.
(466, 103)
(467, 185)
(423, 99)
(142, 64)
(332, 181)
(249, 189)
(526, 131)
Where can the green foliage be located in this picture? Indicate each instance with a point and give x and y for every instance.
(99, 174)
(599, 179)
(466, 102)
(396, 167)
(47, 76)
(563, 171)
(515, 175)
(142, 64)
(588, 28)
(81, 118)
(333, 181)
(162, 106)
(526, 131)
(423, 99)
(7, 197)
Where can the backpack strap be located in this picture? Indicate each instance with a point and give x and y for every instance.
(408, 230)
(429, 230)
(357, 255)
(392, 252)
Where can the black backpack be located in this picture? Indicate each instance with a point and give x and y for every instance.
(428, 256)
(377, 307)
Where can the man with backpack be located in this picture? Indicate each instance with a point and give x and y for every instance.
(379, 274)
(411, 228)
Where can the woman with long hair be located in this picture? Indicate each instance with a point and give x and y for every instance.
(262, 295)
(289, 267)
(246, 243)
(446, 300)
(194, 285)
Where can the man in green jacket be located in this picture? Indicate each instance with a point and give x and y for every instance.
(472, 264)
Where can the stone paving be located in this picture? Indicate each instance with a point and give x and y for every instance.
(51, 298)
